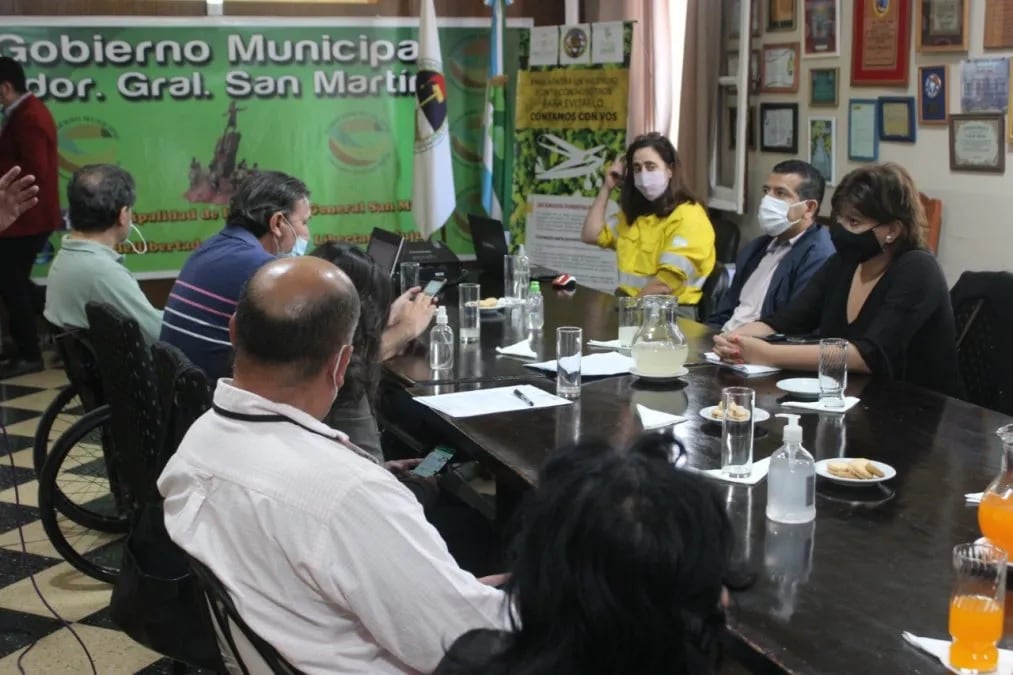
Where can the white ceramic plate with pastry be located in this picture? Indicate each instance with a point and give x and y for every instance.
(715, 413)
(854, 471)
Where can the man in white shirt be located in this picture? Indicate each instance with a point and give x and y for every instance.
(773, 268)
(327, 556)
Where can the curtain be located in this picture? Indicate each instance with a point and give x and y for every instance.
(699, 92)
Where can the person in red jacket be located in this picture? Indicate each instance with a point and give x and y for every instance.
(28, 140)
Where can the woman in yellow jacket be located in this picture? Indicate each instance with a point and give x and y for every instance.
(663, 239)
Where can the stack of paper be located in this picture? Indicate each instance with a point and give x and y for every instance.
(487, 401)
(595, 365)
(747, 369)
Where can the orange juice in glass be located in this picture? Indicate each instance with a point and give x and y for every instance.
(976, 607)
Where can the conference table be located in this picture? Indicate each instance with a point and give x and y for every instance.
(832, 597)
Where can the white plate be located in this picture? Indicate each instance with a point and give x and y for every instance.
(759, 414)
(655, 378)
(808, 387)
(822, 471)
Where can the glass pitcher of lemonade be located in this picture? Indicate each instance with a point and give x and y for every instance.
(659, 347)
(995, 513)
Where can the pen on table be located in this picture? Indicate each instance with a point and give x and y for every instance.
(520, 394)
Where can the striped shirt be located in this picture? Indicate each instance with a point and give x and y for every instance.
(204, 298)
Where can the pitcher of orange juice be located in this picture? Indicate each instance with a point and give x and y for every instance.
(995, 513)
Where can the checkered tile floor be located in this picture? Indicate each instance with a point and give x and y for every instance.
(79, 599)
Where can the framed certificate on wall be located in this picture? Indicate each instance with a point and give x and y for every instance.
(880, 42)
(942, 25)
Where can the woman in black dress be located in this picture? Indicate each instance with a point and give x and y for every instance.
(618, 568)
(882, 291)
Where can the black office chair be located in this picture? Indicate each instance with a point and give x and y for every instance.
(715, 287)
(726, 238)
(981, 306)
(244, 652)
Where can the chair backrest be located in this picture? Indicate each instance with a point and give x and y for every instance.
(75, 348)
(243, 651)
(726, 238)
(184, 391)
(713, 288)
(981, 306)
(128, 380)
(934, 218)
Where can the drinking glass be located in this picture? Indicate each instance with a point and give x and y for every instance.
(833, 373)
(409, 276)
(469, 296)
(976, 607)
(509, 279)
(630, 319)
(737, 431)
(569, 345)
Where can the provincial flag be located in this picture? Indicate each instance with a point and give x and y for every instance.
(433, 194)
(494, 150)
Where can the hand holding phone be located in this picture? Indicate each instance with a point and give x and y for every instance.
(434, 287)
(434, 462)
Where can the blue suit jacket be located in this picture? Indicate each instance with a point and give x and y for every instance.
(792, 274)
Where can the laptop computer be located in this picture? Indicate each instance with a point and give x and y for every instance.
(385, 248)
(489, 239)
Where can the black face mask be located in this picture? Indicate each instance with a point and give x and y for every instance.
(855, 248)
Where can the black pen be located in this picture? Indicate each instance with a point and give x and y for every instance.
(520, 394)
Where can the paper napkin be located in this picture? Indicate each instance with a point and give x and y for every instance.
(655, 419)
(973, 497)
(816, 406)
(522, 349)
(607, 344)
(759, 471)
(941, 650)
(748, 369)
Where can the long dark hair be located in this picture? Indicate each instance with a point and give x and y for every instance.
(375, 297)
(635, 204)
(614, 549)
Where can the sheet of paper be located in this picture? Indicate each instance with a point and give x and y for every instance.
(575, 45)
(488, 401)
(778, 128)
(544, 50)
(594, 365)
(553, 240)
(607, 42)
(743, 368)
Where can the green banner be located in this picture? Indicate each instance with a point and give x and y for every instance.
(191, 108)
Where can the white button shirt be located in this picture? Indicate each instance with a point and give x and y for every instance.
(326, 555)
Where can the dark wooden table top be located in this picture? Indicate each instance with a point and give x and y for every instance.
(877, 560)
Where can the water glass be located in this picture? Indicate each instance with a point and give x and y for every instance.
(469, 296)
(515, 279)
(569, 345)
(976, 607)
(833, 372)
(409, 276)
(630, 318)
(737, 431)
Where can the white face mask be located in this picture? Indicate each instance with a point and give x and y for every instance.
(773, 215)
(144, 242)
(652, 184)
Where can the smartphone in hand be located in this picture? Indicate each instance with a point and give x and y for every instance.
(434, 462)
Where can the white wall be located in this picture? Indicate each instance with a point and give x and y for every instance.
(977, 229)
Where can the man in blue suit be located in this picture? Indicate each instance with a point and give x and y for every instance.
(773, 268)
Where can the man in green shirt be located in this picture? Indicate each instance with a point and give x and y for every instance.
(87, 267)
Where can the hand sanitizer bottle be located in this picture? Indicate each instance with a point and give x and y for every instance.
(441, 342)
(791, 483)
(535, 307)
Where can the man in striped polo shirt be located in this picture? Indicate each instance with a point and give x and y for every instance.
(268, 218)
